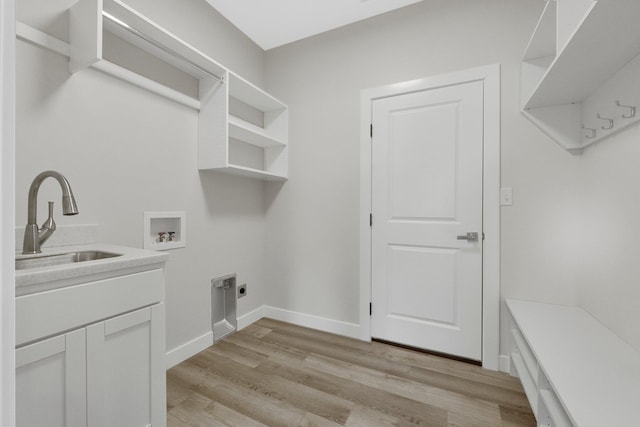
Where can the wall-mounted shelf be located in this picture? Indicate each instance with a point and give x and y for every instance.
(112, 37)
(254, 138)
(165, 230)
(579, 62)
(242, 129)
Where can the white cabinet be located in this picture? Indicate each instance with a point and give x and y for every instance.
(241, 129)
(125, 370)
(578, 72)
(109, 370)
(51, 382)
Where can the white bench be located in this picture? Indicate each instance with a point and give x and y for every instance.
(574, 370)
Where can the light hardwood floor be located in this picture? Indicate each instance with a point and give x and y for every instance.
(276, 374)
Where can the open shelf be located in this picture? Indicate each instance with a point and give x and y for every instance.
(579, 47)
(254, 141)
(251, 134)
(540, 53)
(253, 173)
(114, 38)
(608, 38)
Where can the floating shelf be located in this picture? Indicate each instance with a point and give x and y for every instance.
(578, 48)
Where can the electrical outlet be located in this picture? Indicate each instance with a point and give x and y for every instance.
(242, 290)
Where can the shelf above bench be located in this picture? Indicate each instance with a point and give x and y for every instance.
(579, 62)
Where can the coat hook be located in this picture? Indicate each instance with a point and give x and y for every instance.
(609, 125)
(592, 133)
(632, 110)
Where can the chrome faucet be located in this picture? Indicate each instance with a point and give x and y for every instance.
(35, 236)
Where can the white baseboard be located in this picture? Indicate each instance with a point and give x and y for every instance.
(505, 364)
(252, 316)
(338, 327)
(196, 345)
(185, 351)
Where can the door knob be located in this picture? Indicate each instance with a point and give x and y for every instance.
(469, 237)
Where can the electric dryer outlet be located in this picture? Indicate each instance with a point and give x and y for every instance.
(242, 290)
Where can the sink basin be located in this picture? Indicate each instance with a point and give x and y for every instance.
(26, 262)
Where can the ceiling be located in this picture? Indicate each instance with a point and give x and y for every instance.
(272, 23)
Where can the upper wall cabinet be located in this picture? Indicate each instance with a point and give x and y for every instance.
(242, 129)
(579, 72)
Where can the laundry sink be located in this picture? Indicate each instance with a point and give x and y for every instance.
(37, 261)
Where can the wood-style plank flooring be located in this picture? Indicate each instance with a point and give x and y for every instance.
(276, 374)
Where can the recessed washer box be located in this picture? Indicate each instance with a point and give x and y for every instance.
(164, 230)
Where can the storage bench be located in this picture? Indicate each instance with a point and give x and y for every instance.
(575, 371)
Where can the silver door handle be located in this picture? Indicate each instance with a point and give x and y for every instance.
(469, 237)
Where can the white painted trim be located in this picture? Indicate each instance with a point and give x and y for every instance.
(325, 324)
(187, 350)
(196, 345)
(491, 220)
(337, 327)
(251, 317)
(505, 364)
(7, 209)
(490, 75)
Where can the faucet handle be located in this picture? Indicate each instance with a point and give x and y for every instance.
(50, 223)
(48, 227)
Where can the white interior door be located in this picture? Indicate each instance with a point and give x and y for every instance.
(427, 150)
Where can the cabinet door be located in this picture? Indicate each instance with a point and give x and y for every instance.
(51, 382)
(126, 374)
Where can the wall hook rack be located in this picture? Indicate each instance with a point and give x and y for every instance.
(609, 122)
(632, 110)
(591, 134)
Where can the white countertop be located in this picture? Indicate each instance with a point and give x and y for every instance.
(51, 277)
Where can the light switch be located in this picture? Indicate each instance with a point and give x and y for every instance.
(506, 196)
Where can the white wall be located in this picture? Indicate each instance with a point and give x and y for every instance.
(312, 223)
(608, 264)
(126, 151)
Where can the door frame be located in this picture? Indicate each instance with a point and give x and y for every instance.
(490, 76)
(7, 209)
